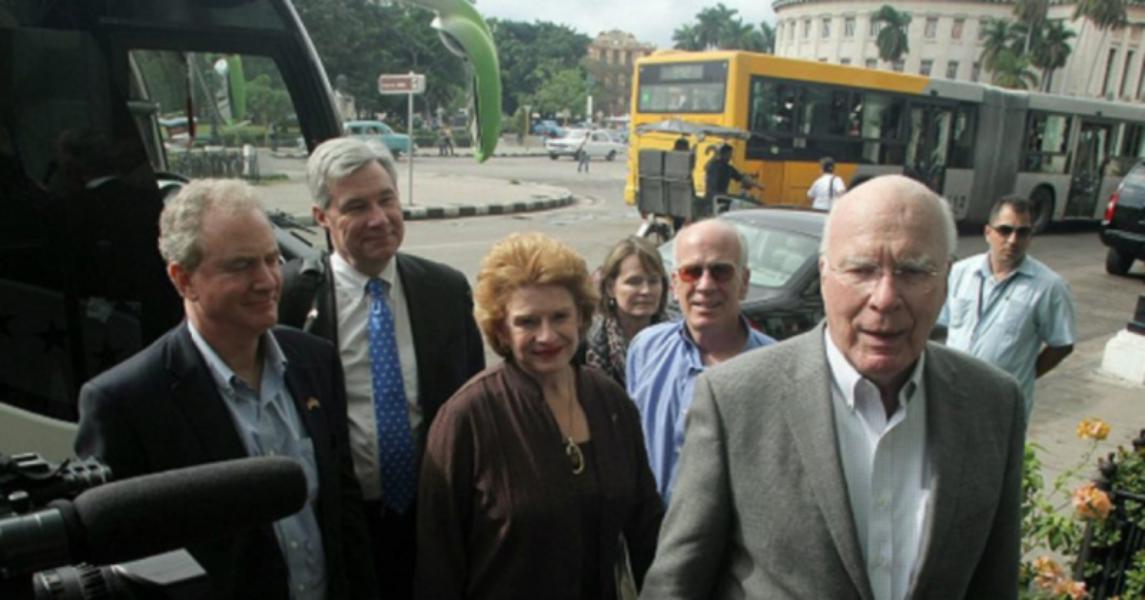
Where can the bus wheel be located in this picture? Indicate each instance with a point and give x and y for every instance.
(1041, 209)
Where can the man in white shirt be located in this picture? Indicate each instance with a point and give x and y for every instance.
(856, 460)
(428, 324)
(827, 188)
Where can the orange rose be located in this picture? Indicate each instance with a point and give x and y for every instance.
(1092, 503)
(1093, 429)
(1074, 590)
(1047, 573)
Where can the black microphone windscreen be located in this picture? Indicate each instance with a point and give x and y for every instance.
(155, 513)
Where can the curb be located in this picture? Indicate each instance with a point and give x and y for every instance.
(419, 213)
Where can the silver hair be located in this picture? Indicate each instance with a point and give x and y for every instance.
(726, 226)
(339, 157)
(181, 222)
(924, 195)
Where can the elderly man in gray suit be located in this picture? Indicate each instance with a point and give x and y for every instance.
(857, 460)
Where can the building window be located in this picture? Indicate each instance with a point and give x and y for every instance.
(806, 28)
(1108, 72)
(826, 27)
(898, 65)
(925, 66)
(849, 27)
(1125, 73)
(952, 69)
(844, 61)
(956, 29)
(983, 26)
(874, 29)
(931, 27)
(975, 72)
(872, 63)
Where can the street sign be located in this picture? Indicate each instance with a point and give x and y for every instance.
(409, 83)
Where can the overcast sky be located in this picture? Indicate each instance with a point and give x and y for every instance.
(649, 20)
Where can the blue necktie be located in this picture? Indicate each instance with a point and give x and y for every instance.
(395, 440)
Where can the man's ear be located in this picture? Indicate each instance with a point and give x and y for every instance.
(181, 279)
(319, 216)
(745, 281)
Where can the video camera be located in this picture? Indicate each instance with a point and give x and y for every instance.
(58, 523)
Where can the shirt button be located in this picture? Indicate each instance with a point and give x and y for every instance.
(884, 501)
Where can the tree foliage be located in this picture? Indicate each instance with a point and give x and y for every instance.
(531, 54)
(892, 38)
(721, 27)
(1012, 70)
(565, 91)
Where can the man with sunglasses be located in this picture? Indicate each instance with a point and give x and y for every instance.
(710, 280)
(1007, 308)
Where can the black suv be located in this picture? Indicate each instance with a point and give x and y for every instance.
(1123, 228)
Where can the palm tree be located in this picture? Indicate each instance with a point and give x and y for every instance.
(768, 33)
(1105, 15)
(1031, 14)
(737, 35)
(686, 37)
(713, 24)
(892, 39)
(1051, 50)
(1012, 70)
(1000, 35)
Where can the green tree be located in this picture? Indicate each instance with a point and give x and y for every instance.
(687, 37)
(1051, 49)
(531, 54)
(267, 103)
(714, 24)
(892, 39)
(1000, 35)
(1012, 70)
(768, 33)
(566, 90)
(1105, 15)
(1032, 15)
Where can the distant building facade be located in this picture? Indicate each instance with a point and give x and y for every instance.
(611, 57)
(945, 39)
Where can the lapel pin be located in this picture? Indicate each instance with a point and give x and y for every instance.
(312, 403)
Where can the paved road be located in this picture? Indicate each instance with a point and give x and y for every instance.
(599, 217)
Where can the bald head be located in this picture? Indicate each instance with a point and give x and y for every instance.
(895, 198)
(715, 230)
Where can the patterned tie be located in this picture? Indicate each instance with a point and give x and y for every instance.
(395, 440)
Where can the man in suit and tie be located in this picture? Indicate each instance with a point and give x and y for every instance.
(857, 460)
(403, 326)
(227, 384)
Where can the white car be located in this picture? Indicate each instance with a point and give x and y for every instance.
(600, 144)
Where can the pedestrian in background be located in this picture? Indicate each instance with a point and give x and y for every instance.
(827, 187)
(1007, 308)
(582, 154)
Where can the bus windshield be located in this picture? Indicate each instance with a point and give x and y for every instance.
(695, 87)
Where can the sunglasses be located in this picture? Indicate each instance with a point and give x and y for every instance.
(720, 272)
(1006, 230)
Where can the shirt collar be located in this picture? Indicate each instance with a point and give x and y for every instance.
(222, 374)
(846, 378)
(695, 357)
(1025, 267)
(346, 276)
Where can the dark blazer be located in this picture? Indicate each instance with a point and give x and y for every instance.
(447, 344)
(160, 410)
(761, 507)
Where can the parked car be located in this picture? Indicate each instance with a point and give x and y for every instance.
(1123, 228)
(548, 128)
(600, 144)
(398, 143)
(783, 256)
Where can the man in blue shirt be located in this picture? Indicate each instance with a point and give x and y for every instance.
(1008, 308)
(710, 280)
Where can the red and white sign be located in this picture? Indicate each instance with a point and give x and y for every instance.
(409, 83)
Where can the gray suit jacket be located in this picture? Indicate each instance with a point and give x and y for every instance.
(761, 508)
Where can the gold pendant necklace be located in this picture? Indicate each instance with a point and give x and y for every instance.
(575, 456)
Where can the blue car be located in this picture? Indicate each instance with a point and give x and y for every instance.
(398, 143)
(548, 128)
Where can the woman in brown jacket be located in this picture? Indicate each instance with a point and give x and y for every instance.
(535, 476)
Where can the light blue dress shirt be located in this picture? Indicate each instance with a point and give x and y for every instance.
(663, 363)
(1005, 323)
(268, 425)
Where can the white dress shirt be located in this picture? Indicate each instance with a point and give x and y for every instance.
(353, 304)
(887, 468)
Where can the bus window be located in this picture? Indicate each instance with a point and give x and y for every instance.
(962, 146)
(683, 87)
(773, 115)
(881, 129)
(1046, 143)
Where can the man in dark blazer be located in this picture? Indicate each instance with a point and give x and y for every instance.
(354, 186)
(227, 384)
(857, 460)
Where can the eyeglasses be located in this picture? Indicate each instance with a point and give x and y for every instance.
(1006, 230)
(911, 278)
(721, 272)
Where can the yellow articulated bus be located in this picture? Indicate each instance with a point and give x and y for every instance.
(970, 142)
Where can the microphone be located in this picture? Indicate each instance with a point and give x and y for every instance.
(155, 513)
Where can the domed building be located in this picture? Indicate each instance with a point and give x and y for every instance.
(945, 41)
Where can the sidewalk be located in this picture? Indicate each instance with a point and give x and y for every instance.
(435, 195)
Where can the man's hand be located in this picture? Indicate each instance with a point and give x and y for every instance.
(1049, 358)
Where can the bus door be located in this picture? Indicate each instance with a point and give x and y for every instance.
(1094, 145)
(928, 144)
